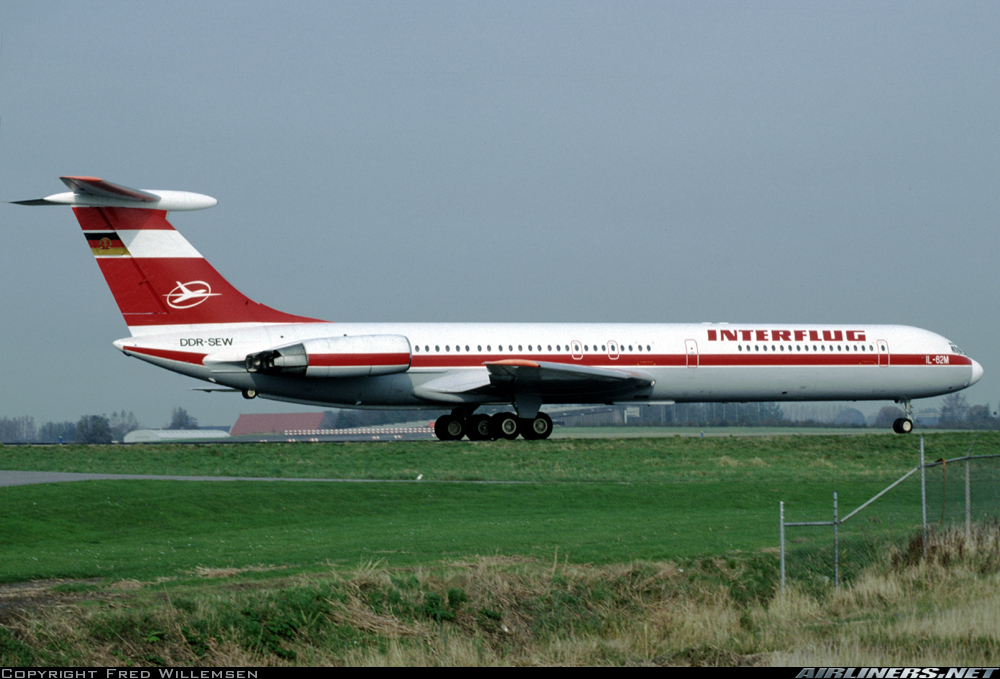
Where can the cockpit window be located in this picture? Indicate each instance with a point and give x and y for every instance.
(956, 350)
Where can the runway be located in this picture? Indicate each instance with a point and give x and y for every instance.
(18, 478)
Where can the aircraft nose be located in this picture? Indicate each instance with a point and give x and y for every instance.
(977, 372)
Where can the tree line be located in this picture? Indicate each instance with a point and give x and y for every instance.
(88, 429)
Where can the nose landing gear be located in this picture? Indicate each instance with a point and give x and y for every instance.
(904, 425)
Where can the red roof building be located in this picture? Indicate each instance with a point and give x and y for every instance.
(247, 425)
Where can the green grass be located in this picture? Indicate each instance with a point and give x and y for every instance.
(597, 501)
(666, 459)
(607, 551)
(122, 529)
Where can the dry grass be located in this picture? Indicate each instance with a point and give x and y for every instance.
(500, 611)
(205, 572)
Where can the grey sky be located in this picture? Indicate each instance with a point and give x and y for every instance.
(579, 161)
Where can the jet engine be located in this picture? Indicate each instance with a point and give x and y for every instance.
(325, 357)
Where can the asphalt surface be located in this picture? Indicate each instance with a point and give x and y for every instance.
(13, 478)
(16, 478)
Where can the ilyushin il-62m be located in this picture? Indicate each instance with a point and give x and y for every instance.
(184, 316)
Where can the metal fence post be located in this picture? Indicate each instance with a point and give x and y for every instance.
(836, 546)
(781, 510)
(923, 494)
(968, 500)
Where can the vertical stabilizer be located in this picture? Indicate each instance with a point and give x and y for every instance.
(156, 276)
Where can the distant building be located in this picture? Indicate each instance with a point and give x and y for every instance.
(248, 425)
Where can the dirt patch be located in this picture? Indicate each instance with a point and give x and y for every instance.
(22, 596)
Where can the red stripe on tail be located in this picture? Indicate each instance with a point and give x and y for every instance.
(167, 290)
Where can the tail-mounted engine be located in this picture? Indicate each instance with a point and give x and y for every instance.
(357, 356)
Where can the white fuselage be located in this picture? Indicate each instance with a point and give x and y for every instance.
(687, 362)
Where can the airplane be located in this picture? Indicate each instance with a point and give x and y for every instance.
(185, 317)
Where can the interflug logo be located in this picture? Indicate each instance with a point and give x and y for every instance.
(190, 294)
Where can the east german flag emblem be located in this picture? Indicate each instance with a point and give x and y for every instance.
(105, 244)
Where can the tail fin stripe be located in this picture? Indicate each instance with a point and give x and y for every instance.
(157, 244)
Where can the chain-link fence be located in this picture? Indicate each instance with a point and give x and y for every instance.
(933, 496)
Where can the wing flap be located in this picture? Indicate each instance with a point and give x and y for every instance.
(451, 385)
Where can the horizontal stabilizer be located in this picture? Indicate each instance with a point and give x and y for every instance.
(94, 192)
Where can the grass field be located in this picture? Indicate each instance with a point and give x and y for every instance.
(592, 505)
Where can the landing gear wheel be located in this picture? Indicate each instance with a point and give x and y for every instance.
(504, 426)
(249, 393)
(903, 425)
(478, 427)
(536, 429)
(449, 428)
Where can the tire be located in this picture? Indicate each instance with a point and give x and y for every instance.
(504, 426)
(249, 393)
(479, 428)
(538, 428)
(449, 428)
(903, 425)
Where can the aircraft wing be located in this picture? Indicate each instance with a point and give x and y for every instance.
(514, 377)
(543, 378)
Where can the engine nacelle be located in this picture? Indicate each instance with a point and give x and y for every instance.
(350, 356)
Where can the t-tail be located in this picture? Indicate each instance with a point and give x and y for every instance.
(156, 276)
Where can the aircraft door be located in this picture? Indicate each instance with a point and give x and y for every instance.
(613, 350)
(577, 348)
(883, 353)
(691, 349)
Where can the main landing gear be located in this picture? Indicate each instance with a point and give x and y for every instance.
(904, 425)
(485, 428)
